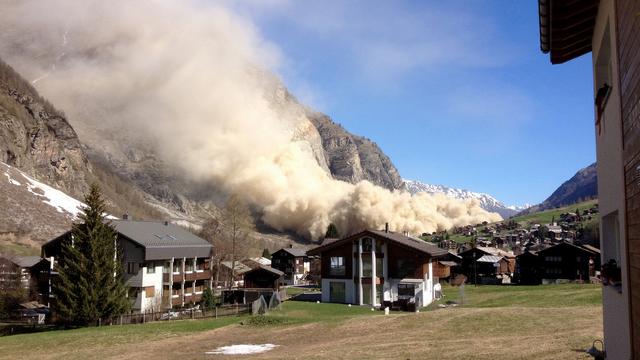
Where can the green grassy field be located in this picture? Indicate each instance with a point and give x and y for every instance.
(537, 322)
(545, 217)
(541, 296)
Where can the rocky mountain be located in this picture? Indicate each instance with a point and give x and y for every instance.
(38, 145)
(37, 138)
(582, 186)
(345, 156)
(37, 141)
(487, 201)
(354, 158)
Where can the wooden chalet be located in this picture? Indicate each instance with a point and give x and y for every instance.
(293, 262)
(378, 268)
(569, 262)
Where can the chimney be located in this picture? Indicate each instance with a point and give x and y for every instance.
(290, 246)
(125, 217)
(166, 223)
(386, 227)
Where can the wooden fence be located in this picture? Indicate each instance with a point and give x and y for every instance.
(141, 318)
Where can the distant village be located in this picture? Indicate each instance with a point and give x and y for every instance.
(169, 270)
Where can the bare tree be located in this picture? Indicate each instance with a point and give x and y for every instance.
(228, 234)
(237, 222)
(212, 232)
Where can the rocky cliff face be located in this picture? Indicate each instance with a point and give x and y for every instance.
(38, 144)
(354, 158)
(37, 138)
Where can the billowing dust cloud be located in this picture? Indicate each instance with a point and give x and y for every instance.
(189, 78)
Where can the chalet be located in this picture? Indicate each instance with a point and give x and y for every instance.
(263, 277)
(241, 267)
(293, 262)
(377, 268)
(527, 270)
(487, 265)
(447, 266)
(567, 261)
(164, 265)
(28, 272)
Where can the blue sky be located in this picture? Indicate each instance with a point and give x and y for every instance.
(456, 93)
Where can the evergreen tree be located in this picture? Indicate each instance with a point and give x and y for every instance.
(266, 253)
(207, 298)
(90, 282)
(332, 232)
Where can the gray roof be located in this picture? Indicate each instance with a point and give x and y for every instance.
(269, 269)
(240, 267)
(413, 243)
(163, 240)
(25, 261)
(297, 252)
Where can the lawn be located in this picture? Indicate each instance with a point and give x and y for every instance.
(545, 217)
(498, 322)
(541, 296)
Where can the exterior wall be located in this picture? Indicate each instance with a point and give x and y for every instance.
(628, 56)
(611, 183)
(349, 288)
(143, 280)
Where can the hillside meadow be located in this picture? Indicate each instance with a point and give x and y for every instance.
(497, 322)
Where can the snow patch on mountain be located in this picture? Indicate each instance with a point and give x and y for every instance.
(487, 201)
(60, 201)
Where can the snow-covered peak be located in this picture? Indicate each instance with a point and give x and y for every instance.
(487, 201)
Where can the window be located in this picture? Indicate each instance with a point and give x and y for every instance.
(406, 290)
(337, 266)
(132, 268)
(188, 266)
(166, 268)
(150, 291)
(133, 292)
(611, 238)
(379, 266)
(151, 268)
(366, 266)
(367, 245)
(337, 292)
(405, 268)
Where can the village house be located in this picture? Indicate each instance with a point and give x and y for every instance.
(293, 262)
(487, 265)
(223, 277)
(568, 261)
(527, 270)
(378, 268)
(164, 265)
(27, 272)
(263, 277)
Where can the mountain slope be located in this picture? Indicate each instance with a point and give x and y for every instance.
(37, 141)
(487, 201)
(354, 158)
(582, 186)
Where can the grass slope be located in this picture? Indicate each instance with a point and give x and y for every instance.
(497, 322)
(546, 216)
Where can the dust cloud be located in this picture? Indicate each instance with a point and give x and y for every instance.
(189, 78)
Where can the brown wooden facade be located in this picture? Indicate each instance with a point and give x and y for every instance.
(628, 35)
